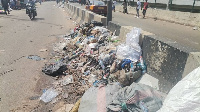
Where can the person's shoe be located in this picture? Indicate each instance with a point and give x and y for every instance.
(8, 12)
(137, 17)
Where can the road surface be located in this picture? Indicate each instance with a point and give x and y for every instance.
(19, 38)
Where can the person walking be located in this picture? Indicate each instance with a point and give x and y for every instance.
(146, 5)
(138, 8)
(125, 7)
(113, 6)
(5, 6)
(40, 2)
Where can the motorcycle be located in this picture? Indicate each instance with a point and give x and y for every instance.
(31, 10)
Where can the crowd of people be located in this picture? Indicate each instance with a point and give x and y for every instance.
(9, 5)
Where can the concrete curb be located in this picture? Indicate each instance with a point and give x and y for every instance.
(82, 15)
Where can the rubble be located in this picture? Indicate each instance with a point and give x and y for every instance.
(91, 56)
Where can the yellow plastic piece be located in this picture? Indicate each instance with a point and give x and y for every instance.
(76, 106)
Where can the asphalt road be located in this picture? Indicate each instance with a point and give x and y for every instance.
(19, 38)
(184, 35)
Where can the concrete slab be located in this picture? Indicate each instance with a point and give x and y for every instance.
(149, 80)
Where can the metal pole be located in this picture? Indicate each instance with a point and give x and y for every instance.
(109, 11)
(193, 6)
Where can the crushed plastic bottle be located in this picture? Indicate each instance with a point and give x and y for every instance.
(143, 66)
(132, 67)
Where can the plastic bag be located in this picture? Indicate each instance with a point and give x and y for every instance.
(185, 95)
(101, 29)
(93, 45)
(136, 98)
(49, 95)
(133, 36)
(67, 80)
(131, 50)
(128, 52)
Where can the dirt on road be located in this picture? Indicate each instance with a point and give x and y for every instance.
(21, 79)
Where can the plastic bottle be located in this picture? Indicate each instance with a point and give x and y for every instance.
(132, 67)
(143, 65)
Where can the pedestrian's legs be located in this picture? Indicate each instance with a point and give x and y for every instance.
(5, 10)
(144, 12)
(8, 11)
(137, 12)
(126, 11)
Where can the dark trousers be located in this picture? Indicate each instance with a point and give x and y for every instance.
(125, 10)
(6, 9)
(144, 12)
(137, 12)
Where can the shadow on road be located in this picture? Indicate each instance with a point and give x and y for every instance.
(1, 15)
(9, 16)
(37, 19)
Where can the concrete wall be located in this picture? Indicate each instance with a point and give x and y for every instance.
(82, 15)
(164, 61)
(187, 18)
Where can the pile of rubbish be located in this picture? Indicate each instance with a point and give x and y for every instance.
(92, 57)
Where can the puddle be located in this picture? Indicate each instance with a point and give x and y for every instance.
(35, 57)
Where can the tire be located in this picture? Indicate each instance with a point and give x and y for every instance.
(32, 15)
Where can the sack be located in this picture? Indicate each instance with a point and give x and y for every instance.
(185, 95)
(136, 98)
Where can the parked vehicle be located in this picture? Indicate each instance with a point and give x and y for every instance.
(97, 7)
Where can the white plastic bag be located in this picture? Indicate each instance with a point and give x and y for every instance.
(185, 95)
(128, 52)
(66, 80)
(101, 29)
(131, 50)
(49, 95)
(133, 36)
